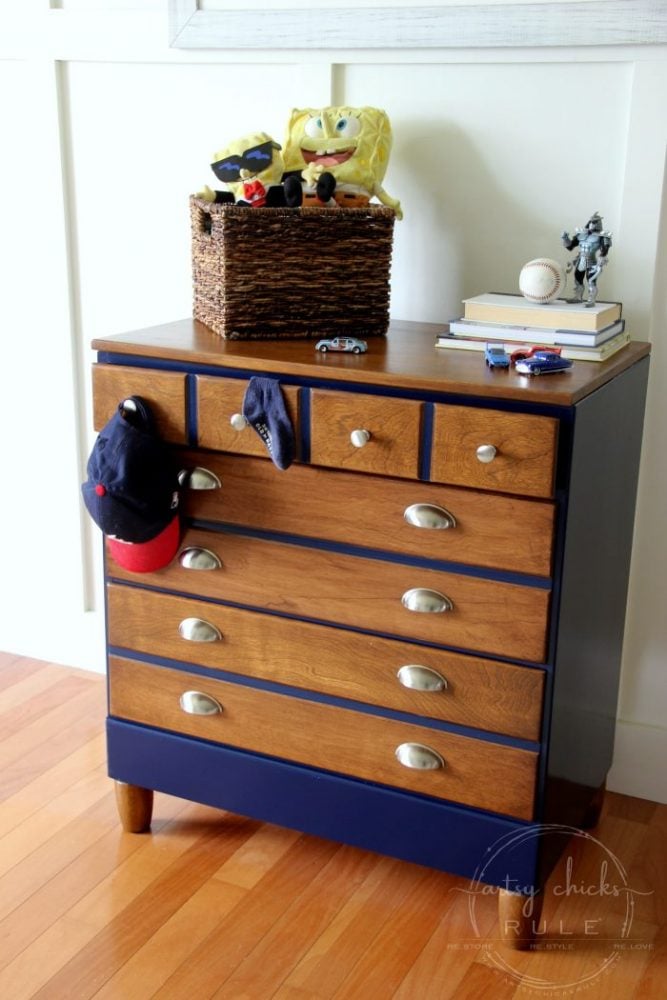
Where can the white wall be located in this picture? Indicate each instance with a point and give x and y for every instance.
(496, 151)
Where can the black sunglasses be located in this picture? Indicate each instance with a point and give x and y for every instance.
(255, 160)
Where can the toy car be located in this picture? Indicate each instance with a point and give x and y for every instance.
(527, 352)
(342, 344)
(543, 363)
(496, 357)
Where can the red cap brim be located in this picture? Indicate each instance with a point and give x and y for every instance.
(146, 557)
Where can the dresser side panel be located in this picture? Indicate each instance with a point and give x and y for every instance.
(595, 569)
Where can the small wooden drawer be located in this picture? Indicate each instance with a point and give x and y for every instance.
(393, 426)
(494, 450)
(419, 519)
(218, 400)
(470, 771)
(505, 619)
(482, 694)
(163, 391)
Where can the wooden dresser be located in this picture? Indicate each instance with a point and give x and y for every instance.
(411, 643)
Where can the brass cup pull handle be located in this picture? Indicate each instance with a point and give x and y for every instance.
(429, 515)
(199, 703)
(198, 630)
(419, 757)
(238, 421)
(426, 601)
(486, 453)
(360, 437)
(196, 557)
(198, 479)
(419, 678)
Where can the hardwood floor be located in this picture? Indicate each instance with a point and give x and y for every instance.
(211, 904)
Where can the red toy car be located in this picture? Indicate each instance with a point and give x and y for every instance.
(521, 353)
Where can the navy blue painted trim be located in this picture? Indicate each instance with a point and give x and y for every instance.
(428, 412)
(304, 424)
(420, 562)
(106, 619)
(427, 395)
(358, 630)
(559, 549)
(191, 411)
(564, 451)
(565, 443)
(435, 833)
(543, 762)
(303, 694)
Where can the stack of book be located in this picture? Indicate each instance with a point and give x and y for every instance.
(583, 333)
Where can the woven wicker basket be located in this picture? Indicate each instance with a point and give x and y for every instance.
(273, 273)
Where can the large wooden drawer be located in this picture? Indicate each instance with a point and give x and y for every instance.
(494, 450)
(470, 691)
(393, 426)
(474, 772)
(218, 400)
(489, 616)
(500, 532)
(163, 391)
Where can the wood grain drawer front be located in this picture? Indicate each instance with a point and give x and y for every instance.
(218, 400)
(163, 391)
(470, 691)
(474, 772)
(519, 453)
(370, 511)
(502, 618)
(392, 448)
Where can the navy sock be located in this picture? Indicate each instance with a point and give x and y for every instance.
(264, 409)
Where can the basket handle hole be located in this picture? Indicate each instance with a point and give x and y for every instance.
(205, 222)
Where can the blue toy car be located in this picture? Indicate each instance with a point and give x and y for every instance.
(342, 344)
(543, 363)
(496, 357)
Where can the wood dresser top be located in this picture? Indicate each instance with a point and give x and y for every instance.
(406, 358)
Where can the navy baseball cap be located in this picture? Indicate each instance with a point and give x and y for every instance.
(132, 489)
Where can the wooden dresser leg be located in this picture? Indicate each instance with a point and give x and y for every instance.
(519, 918)
(135, 807)
(594, 808)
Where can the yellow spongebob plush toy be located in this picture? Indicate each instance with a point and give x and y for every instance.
(251, 168)
(341, 155)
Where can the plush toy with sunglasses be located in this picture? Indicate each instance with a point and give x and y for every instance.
(251, 169)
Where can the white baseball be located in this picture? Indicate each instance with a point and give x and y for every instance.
(541, 280)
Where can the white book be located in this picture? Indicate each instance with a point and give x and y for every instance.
(515, 310)
(534, 334)
(573, 353)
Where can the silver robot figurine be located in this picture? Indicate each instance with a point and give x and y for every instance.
(592, 244)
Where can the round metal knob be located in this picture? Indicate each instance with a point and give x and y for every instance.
(198, 479)
(238, 421)
(428, 515)
(418, 757)
(419, 678)
(196, 557)
(199, 703)
(198, 630)
(424, 600)
(486, 452)
(360, 437)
